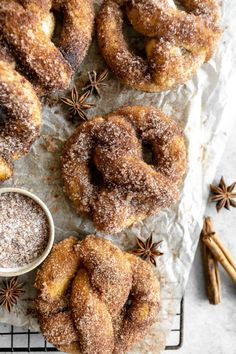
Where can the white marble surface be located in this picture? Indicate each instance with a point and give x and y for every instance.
(212, 329)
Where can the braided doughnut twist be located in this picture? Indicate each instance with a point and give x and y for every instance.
(22, 125)
(27, 28)
(177, 41)
(104, 172)
(95, 299)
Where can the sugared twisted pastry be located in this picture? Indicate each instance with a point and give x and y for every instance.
(27, 29)
(105, 174)
(27, 47)
(95, 299)
(177, 42)
(21, 121)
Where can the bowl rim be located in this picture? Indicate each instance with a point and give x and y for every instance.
(11, 272)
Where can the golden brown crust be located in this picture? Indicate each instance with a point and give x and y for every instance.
(27, 28)
(58, 270)
(141, 314)
(178, 42)
(91, 317)
(23, 118)
(59, 329)
(110, 273)
(79, 16)
(112, 301)
(52, 282)
(126, 188)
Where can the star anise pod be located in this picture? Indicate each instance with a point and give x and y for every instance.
(10, 292)
(223, 195)
(96, 81)
(147, 250)
(78, 104)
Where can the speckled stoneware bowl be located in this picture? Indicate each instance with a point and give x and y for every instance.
(10, 272)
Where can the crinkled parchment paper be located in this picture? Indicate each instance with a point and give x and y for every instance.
(205, 108)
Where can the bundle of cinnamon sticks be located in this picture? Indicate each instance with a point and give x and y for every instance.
(215, 252)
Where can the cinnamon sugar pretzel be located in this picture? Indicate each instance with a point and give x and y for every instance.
(177, 42)
(94, 298)
(22, 124)
(26, 48)
(106, 176)
(27, 28)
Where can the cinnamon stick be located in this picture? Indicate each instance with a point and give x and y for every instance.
(224, 250)
(212, 277)
(212, 240)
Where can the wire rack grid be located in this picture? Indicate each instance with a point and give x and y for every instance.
(14, 339)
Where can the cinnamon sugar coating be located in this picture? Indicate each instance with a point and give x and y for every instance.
(27, 29)
(27, 48)
(23, 121)
(105, 174)
(177, 42)
(113, 298)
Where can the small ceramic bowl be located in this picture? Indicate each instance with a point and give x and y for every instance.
(11, 272)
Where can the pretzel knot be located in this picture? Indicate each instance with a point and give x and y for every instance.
(105, 174)
(46, 53)
(21, 127)
(177, 42)
(94, 298)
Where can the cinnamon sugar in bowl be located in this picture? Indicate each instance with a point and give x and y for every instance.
(26, 231)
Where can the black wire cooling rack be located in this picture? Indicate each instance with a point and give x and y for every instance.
(14, 339)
